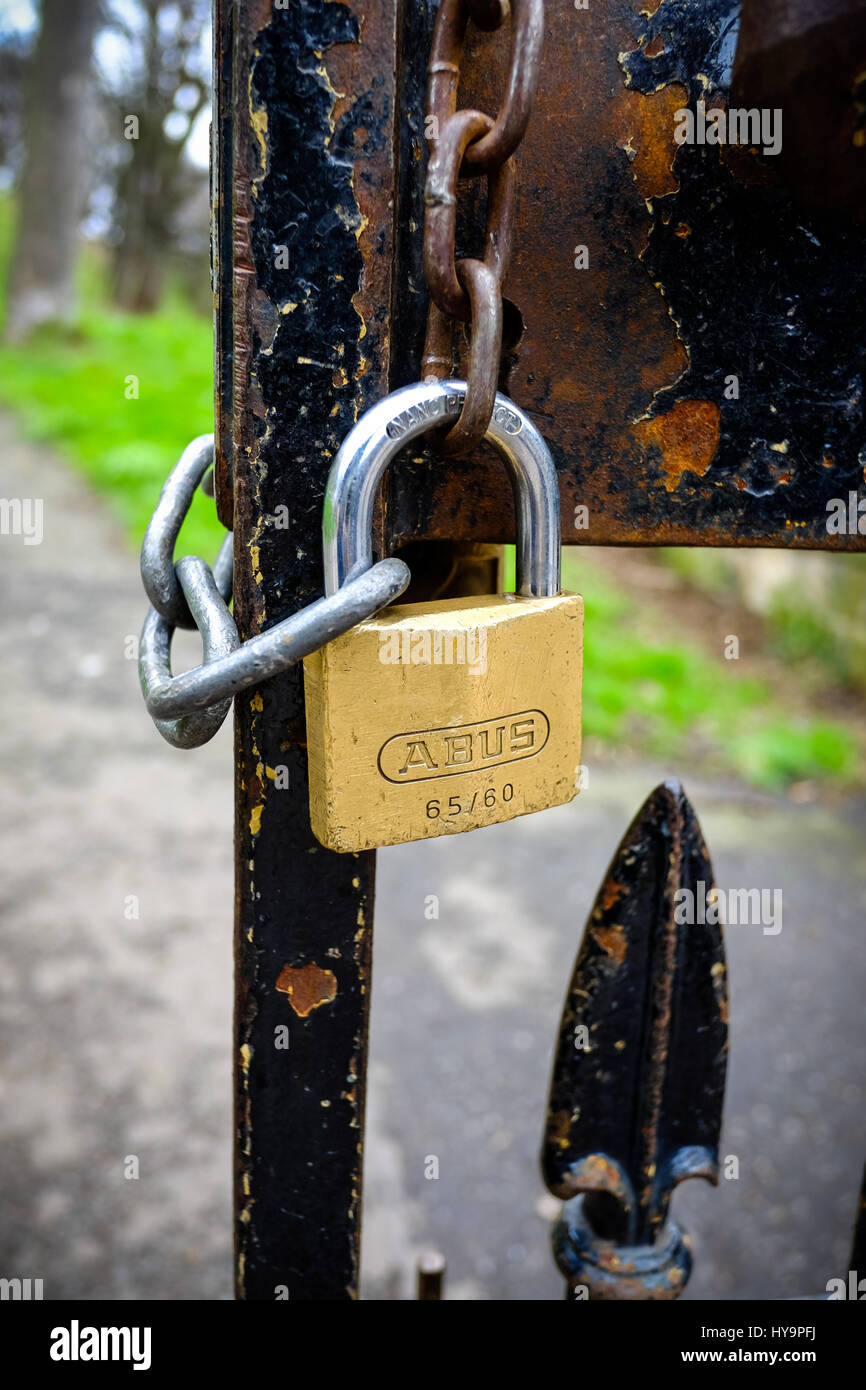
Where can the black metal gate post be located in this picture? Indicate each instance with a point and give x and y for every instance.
(303, 178)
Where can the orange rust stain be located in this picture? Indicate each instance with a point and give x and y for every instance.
(656, 48)
(645, 128)
(307, 986)
(612, 892)
(719, 976)
(683, 230)
(558, 1128)
(613, 940)
(597, 1173)
(687, 439)
(649, 8)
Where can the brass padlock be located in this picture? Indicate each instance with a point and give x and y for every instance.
(432, 719)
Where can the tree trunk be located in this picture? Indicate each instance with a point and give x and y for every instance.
(152, 183)
(41, 278)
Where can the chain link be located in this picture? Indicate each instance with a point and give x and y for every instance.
(188, 709)
(468, 143)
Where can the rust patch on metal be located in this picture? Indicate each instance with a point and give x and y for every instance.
(559, 1127)
(595, 1173)
(308, 987)
(613, 941)
(647, 124)
(719, 975)
(685, 439)
(621, 271)
(611, 893)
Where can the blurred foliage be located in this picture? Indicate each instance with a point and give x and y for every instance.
(706, 569)
(160, 200)
(813, 604)
(675, 702)
(825, 622)
(800, 634)
(67, 387)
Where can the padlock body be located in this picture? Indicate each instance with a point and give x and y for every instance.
(434, 719)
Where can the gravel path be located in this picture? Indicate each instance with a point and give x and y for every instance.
(115, 1027)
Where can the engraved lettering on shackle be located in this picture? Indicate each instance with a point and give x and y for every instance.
(422, 412)
(510, 422)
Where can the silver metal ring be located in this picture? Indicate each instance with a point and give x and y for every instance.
(161, 584)
(379, 436)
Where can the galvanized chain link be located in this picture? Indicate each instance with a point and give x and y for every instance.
(188, 709)
(464, 144)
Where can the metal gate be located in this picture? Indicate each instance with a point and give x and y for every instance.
(676, 319)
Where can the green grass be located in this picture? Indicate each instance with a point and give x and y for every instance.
(68, 389)
(664, 700)
(672, 702)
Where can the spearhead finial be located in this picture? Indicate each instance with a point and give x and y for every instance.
(639, 1075)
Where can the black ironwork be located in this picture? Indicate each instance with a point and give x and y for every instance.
(639, 1077)
(301, 349)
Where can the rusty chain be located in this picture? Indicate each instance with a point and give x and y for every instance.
(465, 144)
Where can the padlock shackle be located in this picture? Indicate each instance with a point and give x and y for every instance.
(378, 437)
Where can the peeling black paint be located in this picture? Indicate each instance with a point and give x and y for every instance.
(298, 1224)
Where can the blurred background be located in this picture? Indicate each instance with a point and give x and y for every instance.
(116, 1029)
